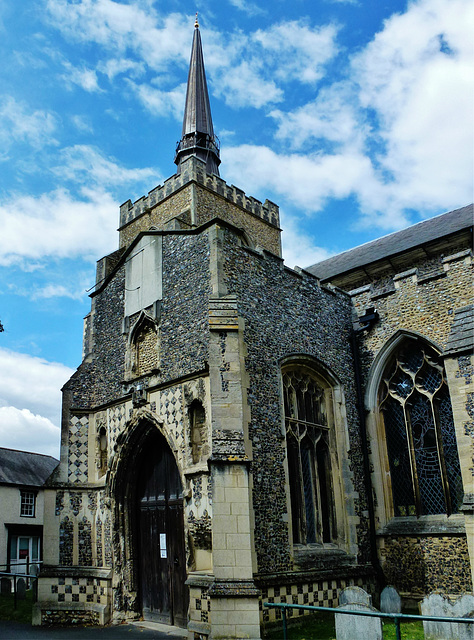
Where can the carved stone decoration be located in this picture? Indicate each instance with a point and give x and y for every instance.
(200, 530)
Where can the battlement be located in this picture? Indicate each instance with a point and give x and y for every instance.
(194, 169)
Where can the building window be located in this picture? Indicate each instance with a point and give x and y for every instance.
(24, 549)
(28, 503)
(102, 451)
(419, 427)
(309, 461)
(197, 422)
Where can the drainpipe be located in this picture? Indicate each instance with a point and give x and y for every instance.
(371, 317)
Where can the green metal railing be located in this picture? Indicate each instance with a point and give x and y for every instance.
(396, 618)
(30, 578)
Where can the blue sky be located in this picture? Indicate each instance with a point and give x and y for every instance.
(354, 116)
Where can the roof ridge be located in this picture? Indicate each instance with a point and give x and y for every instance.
(32, 453)
(394, 243)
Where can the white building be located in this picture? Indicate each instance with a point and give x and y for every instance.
(22, 476)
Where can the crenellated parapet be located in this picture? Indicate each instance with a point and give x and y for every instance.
(194, 170)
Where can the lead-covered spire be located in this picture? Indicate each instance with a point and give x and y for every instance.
(197, 138)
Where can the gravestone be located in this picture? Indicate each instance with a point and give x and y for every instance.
(21, 589)
(356, 627)
(355, 595)
(437, 605)
(390, 601)
(34, 571)
(5, 586)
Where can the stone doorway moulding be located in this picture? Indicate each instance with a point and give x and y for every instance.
(128, 492)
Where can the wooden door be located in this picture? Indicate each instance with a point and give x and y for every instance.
(162, 563)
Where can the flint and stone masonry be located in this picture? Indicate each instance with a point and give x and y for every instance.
(224, 441)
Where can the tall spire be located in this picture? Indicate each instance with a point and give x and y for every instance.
(197, 138)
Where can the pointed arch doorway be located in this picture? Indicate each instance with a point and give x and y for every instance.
(160, 535)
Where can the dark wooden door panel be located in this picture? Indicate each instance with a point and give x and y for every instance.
(177, 563)
(161, 537)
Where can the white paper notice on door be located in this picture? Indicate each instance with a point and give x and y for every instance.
(163, 545)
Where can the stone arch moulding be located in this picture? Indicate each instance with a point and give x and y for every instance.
(129, 446)
(144, 321)
(317, 366)
(381, 475)
(380, 361)
(121, 491)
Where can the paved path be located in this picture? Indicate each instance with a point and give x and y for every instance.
(130, 631)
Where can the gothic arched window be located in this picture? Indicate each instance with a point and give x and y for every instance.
(421, 440)
(309, 461)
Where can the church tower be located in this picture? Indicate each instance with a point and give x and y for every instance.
(180, 429)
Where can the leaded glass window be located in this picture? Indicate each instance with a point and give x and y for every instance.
(308, 451)
(419, 428)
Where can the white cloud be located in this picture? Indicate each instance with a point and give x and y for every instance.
(416, 75)
(304, 180)
(159, 102)
(28, 382)
(57, 224)
(62, 224)
(396, 135)
(245, 68)
(87, 165)
(82, 123)
(19, 123)
(84, 78)
(117, 66)
(298, 248)
(23, 430)
(331, 117)
(248, 69)
(250, 8)
(300, 51)
(242, 85)
(57, 291)
(122, 28)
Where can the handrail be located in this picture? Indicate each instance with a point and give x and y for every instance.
(396, 617)
(19, 564)
(18, 575)
(15, 576)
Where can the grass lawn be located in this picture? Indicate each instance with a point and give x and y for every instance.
(22, 613)
(321, 627)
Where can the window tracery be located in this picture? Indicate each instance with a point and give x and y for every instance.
(309, 460)
(419, 427)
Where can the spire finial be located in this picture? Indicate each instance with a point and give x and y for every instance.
(196, 23)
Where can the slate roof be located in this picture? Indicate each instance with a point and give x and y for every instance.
(395, 243)
(461, 337)
(24, 468)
